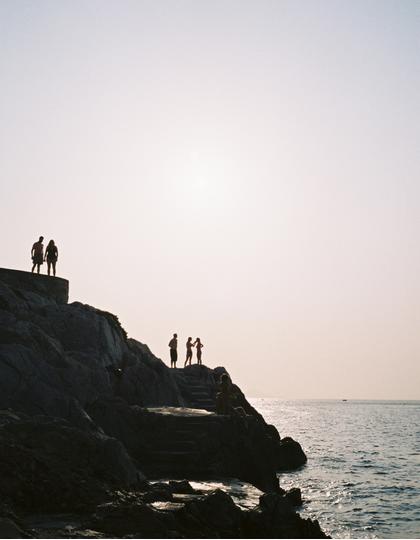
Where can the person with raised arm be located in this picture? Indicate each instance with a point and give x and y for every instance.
(198, 345)
(189, 346)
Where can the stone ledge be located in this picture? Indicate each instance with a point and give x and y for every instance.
(54, 288)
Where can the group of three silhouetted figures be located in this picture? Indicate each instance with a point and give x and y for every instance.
(38, 257)
(225, 396)
(173, 347)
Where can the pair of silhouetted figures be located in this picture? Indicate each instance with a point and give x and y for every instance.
(173, 348)
(38, 257)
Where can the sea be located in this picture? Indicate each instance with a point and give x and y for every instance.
(362, 478)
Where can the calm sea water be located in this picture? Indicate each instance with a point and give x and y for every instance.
(362, 478)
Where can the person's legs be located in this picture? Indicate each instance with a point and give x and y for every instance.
(188, 358)
(48, 267)
(33, 267)
(53, 265)
(38, 267)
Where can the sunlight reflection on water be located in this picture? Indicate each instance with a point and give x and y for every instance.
(363, 474)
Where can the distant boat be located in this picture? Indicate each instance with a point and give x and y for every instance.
(344, 400)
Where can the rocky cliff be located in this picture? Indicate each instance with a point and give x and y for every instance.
(87, 412)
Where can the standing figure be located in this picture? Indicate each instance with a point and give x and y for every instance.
(189, 351)
(224, 396)
(51, 256)
(197, 343)
(37, 254)
(173, 344)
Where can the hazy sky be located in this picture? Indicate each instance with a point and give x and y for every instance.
(242, 171)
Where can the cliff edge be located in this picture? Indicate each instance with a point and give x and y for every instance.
(87, 412)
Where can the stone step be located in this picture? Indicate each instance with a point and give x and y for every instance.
(202, 419)
(206, 407)
(197, 424)
(200, 396)
(199, 390)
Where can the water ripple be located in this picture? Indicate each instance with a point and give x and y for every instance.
(362, 479)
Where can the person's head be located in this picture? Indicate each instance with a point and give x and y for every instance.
(41, 239)
(224, 379)
(197, 340)
(190, 338)
(51, 243)
(175, 336)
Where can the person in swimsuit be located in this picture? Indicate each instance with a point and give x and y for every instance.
(51, 256)
(37, 254)
(189, 351)
(198, 345)
(173, 344)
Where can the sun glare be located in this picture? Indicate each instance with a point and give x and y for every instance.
(205, 181)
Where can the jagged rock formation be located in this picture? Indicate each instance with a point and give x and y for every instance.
(92, 410)
(194, 444)
(47, 463)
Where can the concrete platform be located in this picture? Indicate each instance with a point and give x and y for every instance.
(54, 288)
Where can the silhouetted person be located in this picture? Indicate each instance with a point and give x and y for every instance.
(189, 351)
(224, 396)
(173, 344)
(37, 254)
(198, 345)
(51, 256)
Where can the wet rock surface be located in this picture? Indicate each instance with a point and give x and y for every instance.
(199, 515)
(86, 414)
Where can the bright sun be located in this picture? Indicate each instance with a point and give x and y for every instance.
(207, 180)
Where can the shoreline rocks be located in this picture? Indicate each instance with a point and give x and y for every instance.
(87, 414)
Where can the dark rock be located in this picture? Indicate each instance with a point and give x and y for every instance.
(209, 446)
(181, 486)
(217, 512)
(158, 492)
(274, 503)
(85, 407)
(54, 354)
(47, 464)
(9, 529)
(33, 285)
(290, 455)
(279, 519)
(294, 496)
(136, 519)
